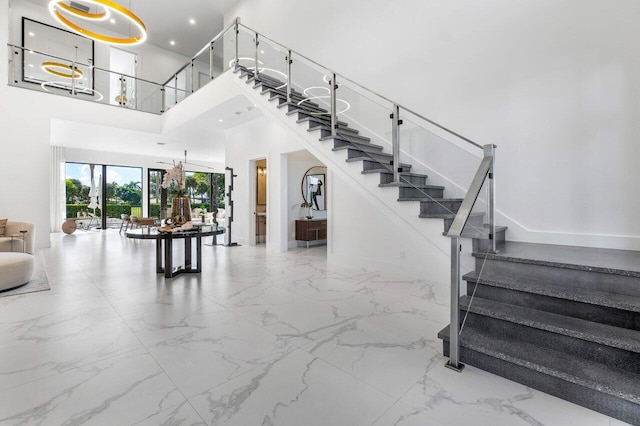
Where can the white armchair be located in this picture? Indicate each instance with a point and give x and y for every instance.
(13, 239)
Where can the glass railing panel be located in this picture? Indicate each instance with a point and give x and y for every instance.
(200, 73)
(149, 97)
(224, 52)
(447, 161)
(273, 65)
(311, 89)
(246, 49)
(366, 113)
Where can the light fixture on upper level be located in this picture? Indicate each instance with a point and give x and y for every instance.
(61, 70)
(61, 11)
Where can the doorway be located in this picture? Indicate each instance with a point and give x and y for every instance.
(122, 83)
(261, 202)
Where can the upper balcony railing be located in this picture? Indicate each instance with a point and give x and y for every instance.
(30, 69)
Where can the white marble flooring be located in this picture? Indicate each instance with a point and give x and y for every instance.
(256, 339)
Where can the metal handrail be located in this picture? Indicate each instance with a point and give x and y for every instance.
(484, 172)
(477, 145)
(83, 64)
(201, 51)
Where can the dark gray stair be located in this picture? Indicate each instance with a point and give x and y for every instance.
(326, 135)
(481, 232)
(613, 346)
(387, 177)
(327, 128)
(436, 206)
(341, 145)
(319, 119)
(610, 271)
(599, 387)
(293, 108)
(369, 164)
(604, 307)
(409, 190)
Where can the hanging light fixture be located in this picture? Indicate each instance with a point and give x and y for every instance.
(61, 70)
(60, 11)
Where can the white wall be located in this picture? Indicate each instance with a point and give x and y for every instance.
(553, 83)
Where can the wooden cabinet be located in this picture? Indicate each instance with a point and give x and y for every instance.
(311, 230)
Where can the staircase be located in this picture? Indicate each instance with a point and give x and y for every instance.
(555, 318)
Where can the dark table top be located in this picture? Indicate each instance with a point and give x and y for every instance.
(152, 234)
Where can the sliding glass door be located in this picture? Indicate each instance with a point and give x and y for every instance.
(98, 194)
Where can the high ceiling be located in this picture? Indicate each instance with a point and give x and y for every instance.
(169, 20)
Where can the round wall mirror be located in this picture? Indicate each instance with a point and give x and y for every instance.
(313, 187)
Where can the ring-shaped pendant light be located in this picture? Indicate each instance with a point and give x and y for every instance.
(56, 8)
(66, 86)
(52, 67)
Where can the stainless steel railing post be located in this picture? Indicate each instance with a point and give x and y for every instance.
(73, 78)
(255, 74)
(237, 41)
(334, 116)
(395, 138)
(454, 328)
(289, 89)
(211, 61)
(123, 90)
(12, 65)
(490, 151)
(191, 72)
(175, 89)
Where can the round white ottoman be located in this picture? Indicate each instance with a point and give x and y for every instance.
(15, 269)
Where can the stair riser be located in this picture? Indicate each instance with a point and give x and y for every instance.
(339, 143)
(585, 311)
(354, 153)
(612, 357)
(440, 207)
(483, 246)
(579, 278)
(326, 131)
(319, 119)
(348, 136)
(420, 192)
(415, 180)
(474, 220)
(307, 108)
(597, 401)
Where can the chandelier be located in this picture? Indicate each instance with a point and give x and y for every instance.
(62, 12)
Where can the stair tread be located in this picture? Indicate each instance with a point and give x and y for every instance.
(559, 291)
(345, 137)
(619, 262)
(320, 118)
(430, 199)
(368, 158)
(444, 215)
(603, 334)
(590, 374)
(373, 149)
(341, 130)
(471, 232)
(386, 171)
(409, 185)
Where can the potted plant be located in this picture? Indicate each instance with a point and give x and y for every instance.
(307, 205)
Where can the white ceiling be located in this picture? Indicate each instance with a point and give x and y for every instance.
(168, 20)
(203, 137)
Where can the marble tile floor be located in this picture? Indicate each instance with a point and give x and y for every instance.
(256, 339)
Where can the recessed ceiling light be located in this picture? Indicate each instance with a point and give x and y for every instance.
(161, 143)
(113, 21)
(221, 120)
(173, 43)
(32, 52)
(192, 21)
(31, 65)
(262, 51)
(31, 33)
